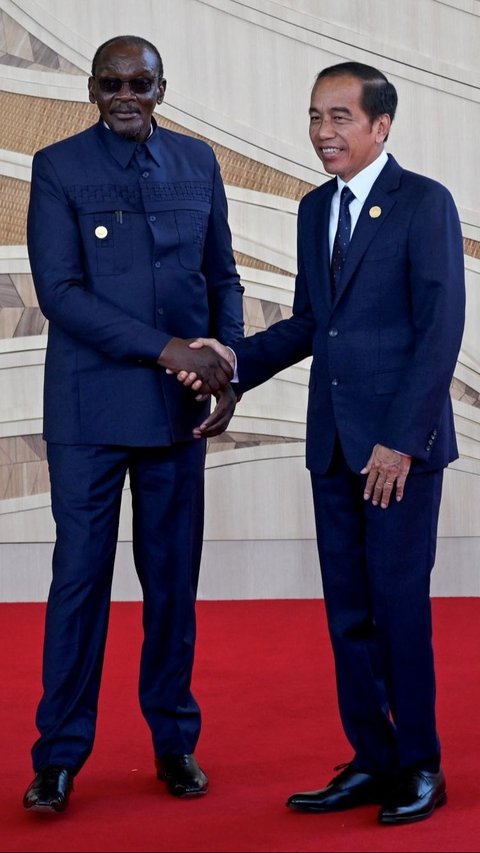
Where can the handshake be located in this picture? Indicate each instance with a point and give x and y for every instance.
(203, 364)
(206, 366)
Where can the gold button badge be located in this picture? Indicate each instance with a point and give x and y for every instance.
(375, 211)
(101, 232)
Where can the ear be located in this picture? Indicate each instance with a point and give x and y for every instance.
(91, 94)
(384, 124)
(162, 85)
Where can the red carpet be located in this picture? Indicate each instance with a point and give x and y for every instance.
(264, 678)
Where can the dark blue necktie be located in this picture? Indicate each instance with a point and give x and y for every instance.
(342, 237)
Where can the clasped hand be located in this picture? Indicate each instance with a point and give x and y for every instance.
(205, 366)
(212, 371)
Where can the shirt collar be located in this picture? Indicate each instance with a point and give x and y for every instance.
(124, 149)
(362, 183)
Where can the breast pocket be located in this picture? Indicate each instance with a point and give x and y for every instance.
(108, 241)
(382, 252)
(192, 228)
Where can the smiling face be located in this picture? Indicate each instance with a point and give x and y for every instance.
(341, 132)
(127, 112)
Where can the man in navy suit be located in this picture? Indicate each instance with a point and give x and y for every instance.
(381, 309)
(131, 256)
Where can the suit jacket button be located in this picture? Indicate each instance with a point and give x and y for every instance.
(333, 332)
(335, 381)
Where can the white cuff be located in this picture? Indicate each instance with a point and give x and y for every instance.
(235, 372)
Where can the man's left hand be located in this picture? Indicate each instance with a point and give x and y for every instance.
(219, 419)
(386, 469)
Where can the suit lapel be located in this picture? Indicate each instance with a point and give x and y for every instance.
(315, 247)
(375, 211)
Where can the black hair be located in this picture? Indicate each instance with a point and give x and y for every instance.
(128, 40)
(379, 95)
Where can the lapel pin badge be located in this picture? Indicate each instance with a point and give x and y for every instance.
(375, 211)
(101, 232)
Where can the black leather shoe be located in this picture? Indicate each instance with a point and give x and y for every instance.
(415, 797)
(182, 774)
(50, 790)
(349, 789)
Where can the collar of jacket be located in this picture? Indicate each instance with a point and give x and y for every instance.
(124, 149)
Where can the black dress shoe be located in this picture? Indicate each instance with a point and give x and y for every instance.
(415, 797)
(182, 774)
(50, 790)
(349, 789)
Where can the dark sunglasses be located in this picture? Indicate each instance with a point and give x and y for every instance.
(137, 85)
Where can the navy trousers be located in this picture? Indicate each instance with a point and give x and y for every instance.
(167, 488)
(376, 566)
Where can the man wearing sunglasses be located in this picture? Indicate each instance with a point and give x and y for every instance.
(131, 256)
